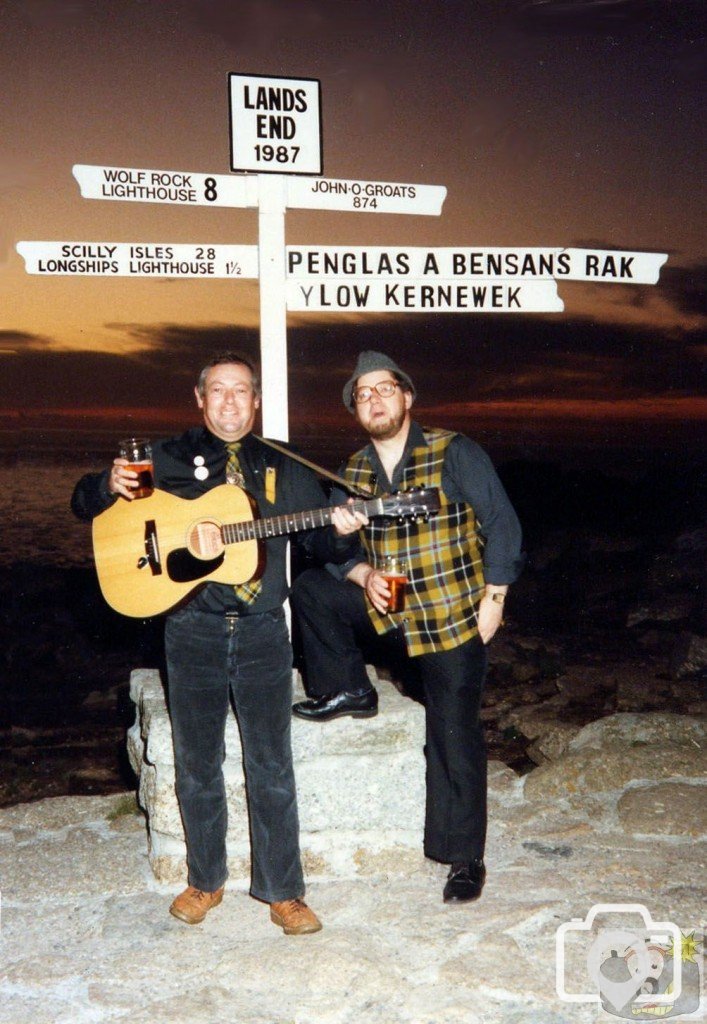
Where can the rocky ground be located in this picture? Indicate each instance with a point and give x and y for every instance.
(619, 817)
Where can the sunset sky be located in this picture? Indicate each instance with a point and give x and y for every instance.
(550, 122)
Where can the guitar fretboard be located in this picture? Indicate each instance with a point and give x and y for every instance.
(292, 522)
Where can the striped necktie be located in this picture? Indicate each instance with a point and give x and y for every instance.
(234, 473)
(245, 592)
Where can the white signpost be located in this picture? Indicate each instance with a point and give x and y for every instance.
(276, 132)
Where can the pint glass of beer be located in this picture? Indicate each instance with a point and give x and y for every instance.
(138, 452)
(395, 572)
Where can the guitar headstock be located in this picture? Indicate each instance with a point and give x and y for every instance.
(417, 503)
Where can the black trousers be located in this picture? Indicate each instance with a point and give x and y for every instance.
(248, 663)
(336, 631)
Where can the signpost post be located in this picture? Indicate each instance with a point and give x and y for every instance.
(273, 310)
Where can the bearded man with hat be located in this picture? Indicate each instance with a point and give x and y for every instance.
(460, 563)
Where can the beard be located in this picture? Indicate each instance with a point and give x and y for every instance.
(390, 426)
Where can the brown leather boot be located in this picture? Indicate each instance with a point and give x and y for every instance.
(294, 917)
(193, 905)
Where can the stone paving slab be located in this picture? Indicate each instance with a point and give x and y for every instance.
(86, 937)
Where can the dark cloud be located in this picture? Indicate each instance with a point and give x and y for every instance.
(160, 375)
(686, 287)
(35, 377)
(461, 366)
(181, 350)
(14, 341)
(460, 357)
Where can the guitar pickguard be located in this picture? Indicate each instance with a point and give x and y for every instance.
(182, 567)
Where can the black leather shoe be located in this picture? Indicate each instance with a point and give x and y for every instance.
(464, 882)
(334, 705)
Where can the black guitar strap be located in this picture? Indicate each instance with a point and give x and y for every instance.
(361, 492)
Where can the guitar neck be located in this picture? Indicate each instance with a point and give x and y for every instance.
(292, 522)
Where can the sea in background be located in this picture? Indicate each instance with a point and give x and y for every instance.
(639, 487)
(38, 525)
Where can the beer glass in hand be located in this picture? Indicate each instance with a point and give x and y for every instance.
(395, 573)
(138, 452)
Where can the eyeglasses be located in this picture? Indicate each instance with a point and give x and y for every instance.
(386, 389)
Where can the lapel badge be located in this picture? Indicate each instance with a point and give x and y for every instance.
(200, 472)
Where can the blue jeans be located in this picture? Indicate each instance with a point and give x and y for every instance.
(212, 660)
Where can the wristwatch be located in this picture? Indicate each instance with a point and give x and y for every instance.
(498, 598)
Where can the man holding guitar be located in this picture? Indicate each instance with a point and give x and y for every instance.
(223, 641)
(459, 565)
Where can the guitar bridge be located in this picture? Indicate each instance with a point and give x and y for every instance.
(152, 550)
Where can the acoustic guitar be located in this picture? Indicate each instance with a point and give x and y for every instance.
(153, 553)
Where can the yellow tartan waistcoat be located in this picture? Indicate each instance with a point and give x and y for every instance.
(444, 555)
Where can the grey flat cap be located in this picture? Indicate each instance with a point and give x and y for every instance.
(369, 361)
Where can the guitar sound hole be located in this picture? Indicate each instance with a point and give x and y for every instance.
(182, 567)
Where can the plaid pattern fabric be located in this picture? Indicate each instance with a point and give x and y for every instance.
(245, 592)
(444, 555)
